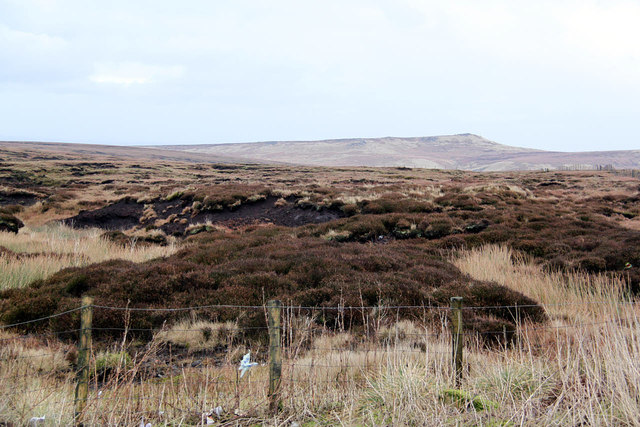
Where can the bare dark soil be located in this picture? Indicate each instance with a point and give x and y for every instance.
(8, 221)
(127, 213)
(121, 215)
(21, 198)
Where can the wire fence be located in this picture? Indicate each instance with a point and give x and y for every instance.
(191, 371)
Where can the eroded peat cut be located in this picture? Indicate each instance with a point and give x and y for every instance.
(191, 214)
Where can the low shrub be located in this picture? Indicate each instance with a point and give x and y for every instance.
(246, 269)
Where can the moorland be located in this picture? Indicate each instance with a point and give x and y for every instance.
(156, 233)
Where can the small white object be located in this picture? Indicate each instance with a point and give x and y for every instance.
(34, 421)
(210, 420)
(142, 424)
(218, 411)
(246, 364)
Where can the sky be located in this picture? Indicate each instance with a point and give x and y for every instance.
(557, 75)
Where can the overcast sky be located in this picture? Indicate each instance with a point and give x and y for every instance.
(558, 74)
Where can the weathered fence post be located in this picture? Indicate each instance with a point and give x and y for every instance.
(274, 308)
(82, 386)
(457, 337)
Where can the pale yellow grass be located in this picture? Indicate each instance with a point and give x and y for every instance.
(497, 188)
(571, 296)
(196, 334)
(42, 251)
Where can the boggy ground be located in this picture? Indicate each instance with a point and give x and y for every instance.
(346, 235)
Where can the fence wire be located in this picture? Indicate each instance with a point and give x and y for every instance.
(217, 375)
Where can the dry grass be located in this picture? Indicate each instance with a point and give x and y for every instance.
(574, 296)
(40, 252)
(200, 334)
(582, 369)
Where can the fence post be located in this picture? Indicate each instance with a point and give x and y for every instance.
(274, 308)
(82, 386)
(457, 337)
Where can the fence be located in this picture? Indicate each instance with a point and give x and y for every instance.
(203, 385)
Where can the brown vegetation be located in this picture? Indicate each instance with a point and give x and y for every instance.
(246, 269)
(321, 237)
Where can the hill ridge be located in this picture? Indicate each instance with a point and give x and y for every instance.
(458, 151)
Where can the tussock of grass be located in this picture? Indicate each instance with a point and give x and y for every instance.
(200, 334)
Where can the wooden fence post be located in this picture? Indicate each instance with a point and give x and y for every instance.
(274, 308)
(457, 337)
(82, 386)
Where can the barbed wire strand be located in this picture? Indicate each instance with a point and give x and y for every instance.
(43, 318)
(319, 308)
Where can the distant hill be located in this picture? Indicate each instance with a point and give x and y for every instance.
(27, 151)
(465, 151)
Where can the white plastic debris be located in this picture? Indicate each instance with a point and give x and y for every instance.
(208, 417)
(35, 421)
(142, 424)
(246, 364)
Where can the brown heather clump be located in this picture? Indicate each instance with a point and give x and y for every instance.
(247, 269)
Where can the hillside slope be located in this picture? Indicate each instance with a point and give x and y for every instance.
(464, 151)
(39, 151)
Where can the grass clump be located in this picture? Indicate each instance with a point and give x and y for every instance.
(466, 400)
(108, 362)
(196, 335)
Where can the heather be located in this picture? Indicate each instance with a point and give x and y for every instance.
(247, 269)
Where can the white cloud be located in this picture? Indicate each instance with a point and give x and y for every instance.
(129, 73)
(607, 37)
(17, 39)
(584, 37)
(320, 69)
